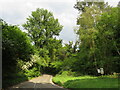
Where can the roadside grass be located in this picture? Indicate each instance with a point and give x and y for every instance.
(110, 81)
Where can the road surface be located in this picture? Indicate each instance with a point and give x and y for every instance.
(44, 81)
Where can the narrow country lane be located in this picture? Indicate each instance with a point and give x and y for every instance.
(44, 81)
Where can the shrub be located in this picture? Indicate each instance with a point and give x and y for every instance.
(34, 72)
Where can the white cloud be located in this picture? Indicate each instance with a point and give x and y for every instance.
(16, 12)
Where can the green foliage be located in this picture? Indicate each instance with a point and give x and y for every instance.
(16, 49)
(81, 5)
(32, 73)
(87, 35)
(42, 26)
(98, 35)
(13, 78)
(67, 73)
(16, 45)
(57, 64)
(108, 33)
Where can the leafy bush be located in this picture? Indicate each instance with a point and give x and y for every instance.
(65, 73)
(57, 64)
(16, 49)
(34, 72)
(13, 78)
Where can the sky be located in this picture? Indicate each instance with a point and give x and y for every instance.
(16, 11)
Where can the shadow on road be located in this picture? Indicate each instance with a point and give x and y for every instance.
(36, 86)
(38, 83)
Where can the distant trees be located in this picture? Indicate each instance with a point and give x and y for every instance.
(97, 37)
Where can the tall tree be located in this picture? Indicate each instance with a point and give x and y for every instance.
(42, 26)
(90, 13)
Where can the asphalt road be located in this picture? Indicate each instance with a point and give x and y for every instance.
(44, 81)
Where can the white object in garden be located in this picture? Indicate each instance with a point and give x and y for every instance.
(101, 70)
(98, 70)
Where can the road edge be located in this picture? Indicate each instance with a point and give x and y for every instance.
(51, 81)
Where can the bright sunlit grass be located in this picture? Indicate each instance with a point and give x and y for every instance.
(86, 81)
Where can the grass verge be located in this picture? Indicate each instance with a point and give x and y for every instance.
(86, 81)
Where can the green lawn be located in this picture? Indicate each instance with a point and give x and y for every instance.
(86, 81)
